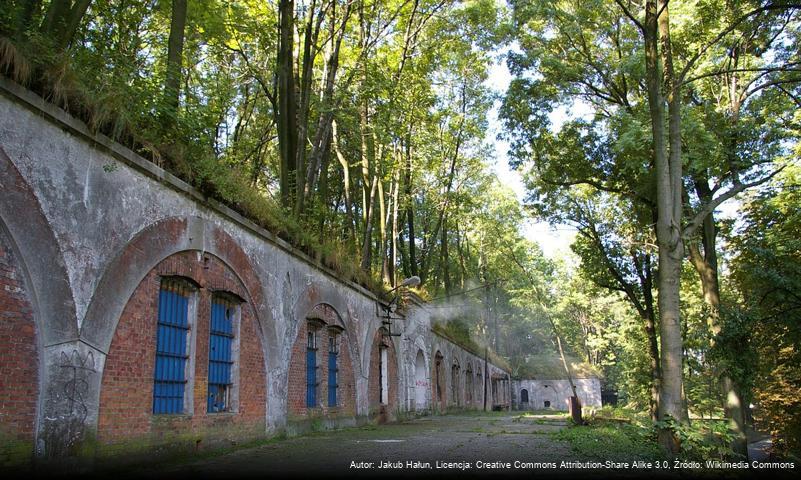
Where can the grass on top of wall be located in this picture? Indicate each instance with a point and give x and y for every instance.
(457, 333)
(549, 366)
(52, 77)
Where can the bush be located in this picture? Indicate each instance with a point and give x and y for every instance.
(703, 439)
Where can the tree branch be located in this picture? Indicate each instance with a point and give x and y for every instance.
(629, 15)
(765, 70)
(710, 207)
(726, 31)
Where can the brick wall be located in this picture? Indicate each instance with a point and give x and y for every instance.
(126, 398)
(19, 363)
(327, 322)
(383, 412)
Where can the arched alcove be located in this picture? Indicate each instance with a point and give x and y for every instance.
(420, 382)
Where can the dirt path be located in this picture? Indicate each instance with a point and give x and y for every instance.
(411, 448)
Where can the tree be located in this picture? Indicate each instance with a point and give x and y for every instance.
(580, 54)
(175, 49)
(767, 278)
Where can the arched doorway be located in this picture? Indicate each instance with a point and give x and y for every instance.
(383, 389)
(438, 381)
(455, 374)
(524, 398)
(420, 382)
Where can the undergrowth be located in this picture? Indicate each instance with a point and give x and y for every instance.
(624, 435)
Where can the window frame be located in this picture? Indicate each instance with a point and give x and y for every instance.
(188, 289)
(232, 304)
(312, 351)
(334, 339)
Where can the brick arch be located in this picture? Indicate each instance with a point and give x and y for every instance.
(326, 318)
(126, 395)
(147, 249)
(316, 294)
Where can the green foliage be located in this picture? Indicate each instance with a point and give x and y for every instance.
(411, 68)
(767, 320)
(703, 440)
(548, 365)
(458, 332)
(616, 441)
(595, 169)
(624, 434)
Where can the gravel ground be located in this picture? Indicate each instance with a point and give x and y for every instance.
(467, 445)
(459, 440)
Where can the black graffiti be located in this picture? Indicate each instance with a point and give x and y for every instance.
(76, 387)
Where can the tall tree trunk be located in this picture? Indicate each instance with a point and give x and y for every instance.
(310, 34)
(345, 183)
(409, 200)
(286, 122)
(382, 228)
(62, 19)
(368, 227)
(460, 250)
(426, 260)
(394, 242)
(648, 316)
(669, 218)
(706, 265)
(444, 260)
(175, 55)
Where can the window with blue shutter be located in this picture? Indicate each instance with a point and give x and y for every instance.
(172, 349)
(311, 369)
(221, 361)
(333, 352)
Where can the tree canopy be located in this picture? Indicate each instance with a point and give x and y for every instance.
(358, 131)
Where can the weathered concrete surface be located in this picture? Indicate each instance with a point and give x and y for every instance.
(556, 393)
(89, 219)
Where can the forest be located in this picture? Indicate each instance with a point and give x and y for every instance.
(358, 131)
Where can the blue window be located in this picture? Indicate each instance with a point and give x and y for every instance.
(221, 361)
(333, 352)
(171, 347)
(311, 368)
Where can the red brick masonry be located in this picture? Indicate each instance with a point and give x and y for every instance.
(126, 398)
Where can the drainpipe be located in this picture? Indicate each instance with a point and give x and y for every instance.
(486, 374)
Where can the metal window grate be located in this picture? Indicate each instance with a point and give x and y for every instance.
(333, 352)
(221, 338)
(171, 348)
(311, 370)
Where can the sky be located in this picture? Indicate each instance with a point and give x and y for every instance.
(554, 241)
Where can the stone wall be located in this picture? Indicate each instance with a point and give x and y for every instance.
(88, 230)
(554, 394)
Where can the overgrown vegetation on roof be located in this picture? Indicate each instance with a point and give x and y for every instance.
(458, 333)
(549, 366)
